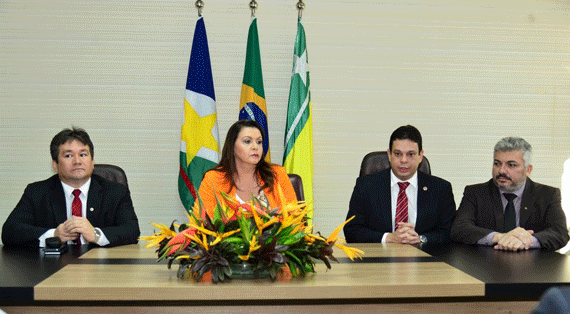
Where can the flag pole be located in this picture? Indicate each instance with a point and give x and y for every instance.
(199, 5)
(253, 7)
(300, 7)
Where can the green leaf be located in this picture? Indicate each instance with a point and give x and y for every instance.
(235, 240)
(200, 207)
(293, 268)
(218, 212)
(245, 226)
(293, 239)
(228, 271)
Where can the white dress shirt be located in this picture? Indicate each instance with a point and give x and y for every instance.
(68, 195)
(411, 193)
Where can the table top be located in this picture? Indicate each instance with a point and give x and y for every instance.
(525, 274)
(388, 271)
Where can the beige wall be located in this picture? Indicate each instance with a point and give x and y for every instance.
(466, 73)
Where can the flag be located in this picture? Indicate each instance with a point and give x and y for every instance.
(298, 153)
(199, 139)
(252, 102)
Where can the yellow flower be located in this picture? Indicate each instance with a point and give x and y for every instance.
(350, 251)
(204, 230)
(270, 222)
(311, 238)
(293, 219)
(220, 237)
(196, 239)
(155, 239)
(258, 221)
(333, 237)
(205, 241)
(253, 246)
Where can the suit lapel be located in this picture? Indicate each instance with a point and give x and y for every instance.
(527, 202)
(424, 212)
(57, 201)
(94, 199)
(497, 206)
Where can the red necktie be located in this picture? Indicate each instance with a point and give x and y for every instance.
(402, 204)
(76, 204)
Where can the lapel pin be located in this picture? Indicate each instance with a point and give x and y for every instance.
(425, 188)
(91, 209)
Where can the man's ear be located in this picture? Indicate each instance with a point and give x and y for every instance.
(529, 170)
(421, 155)
(54, 165)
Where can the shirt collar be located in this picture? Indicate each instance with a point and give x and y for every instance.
(518, 192)
(394, 180)
(68, 189)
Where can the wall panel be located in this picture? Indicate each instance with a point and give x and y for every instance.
(466, 73)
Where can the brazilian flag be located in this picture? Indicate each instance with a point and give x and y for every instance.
(252, 103)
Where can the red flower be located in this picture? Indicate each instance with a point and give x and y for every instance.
(180, 241)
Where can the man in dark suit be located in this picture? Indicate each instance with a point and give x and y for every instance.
(73, 205)
(401, 204)
(510, 211)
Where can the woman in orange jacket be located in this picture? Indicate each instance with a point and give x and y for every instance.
(243, 172)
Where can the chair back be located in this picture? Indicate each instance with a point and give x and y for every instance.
(377, 161)
(111, 173)
(297, 183)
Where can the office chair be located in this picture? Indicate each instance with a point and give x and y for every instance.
(111, 173)
(297, 183)
(378, 161)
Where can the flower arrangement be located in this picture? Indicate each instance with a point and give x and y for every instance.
(236, 236)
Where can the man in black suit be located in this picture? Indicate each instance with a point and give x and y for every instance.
(401, 204)
(73, 205)
(510, 211)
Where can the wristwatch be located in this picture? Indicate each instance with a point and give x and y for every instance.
(423, 239)
(97, 233)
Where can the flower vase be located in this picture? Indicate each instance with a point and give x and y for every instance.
(248, 271)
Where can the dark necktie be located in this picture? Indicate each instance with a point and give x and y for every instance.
(510, 216)
(402, 204)
(76, 204)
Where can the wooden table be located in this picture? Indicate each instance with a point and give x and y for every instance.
(391, 277)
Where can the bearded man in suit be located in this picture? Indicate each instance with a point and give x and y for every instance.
(74, 204)
(401, 204)
(511, 212)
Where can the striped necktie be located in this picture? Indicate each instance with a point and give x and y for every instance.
(402, 204)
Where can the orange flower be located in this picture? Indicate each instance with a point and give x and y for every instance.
(180, 240)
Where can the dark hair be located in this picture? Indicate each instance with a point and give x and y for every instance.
(227, 163)
(67, 135)
(407, 132)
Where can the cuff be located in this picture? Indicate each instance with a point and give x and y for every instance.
(48, 234)
(488, 239)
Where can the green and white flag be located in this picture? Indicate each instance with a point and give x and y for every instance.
(298, 154)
